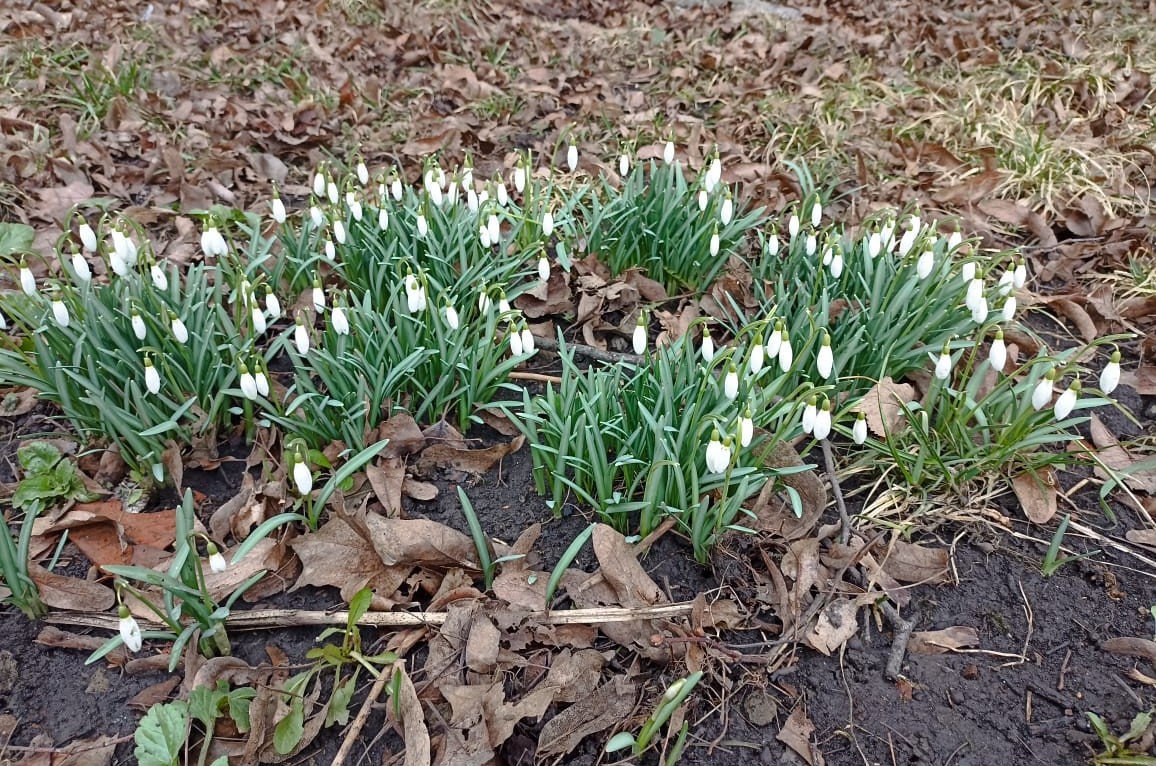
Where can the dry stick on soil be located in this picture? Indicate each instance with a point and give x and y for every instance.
(362, 716)
(588, 352)
(902, 627)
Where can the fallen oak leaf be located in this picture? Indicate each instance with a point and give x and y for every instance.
(1036, 491)
(478, 461)
(796, 734)
(608, 705)
(63, 592)
(883, 405)
(942, 641)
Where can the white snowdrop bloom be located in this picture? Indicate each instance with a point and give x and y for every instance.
(60, 311)
(180, 332)
(954, 240)
(354, 205)
(382, 219)
(330, 250)
(302, 476)
(362, 174)
(713, 173)
(718, 454)
(731, 383)
(703, 200)
(451, 315)
(714, 243)
(27, 281)
(638, 339)
(262, 381)
(817, 213)
(837, 263)
(339, 321)
(87, 237)
(484, 236)
(544, 268)
(527, 340)
(757, 357)
(1020, 274)
(925, 264)
(707, 346)
(332, 193)
(494, 228)
(859, 430)
(967, 271)
(500, 194)
(887, 234)
(572, 157)
(793, 226)
(746, 428)
(159, 278)
(772, 245)
(272, 305)
(1042, 393)
(668, 152)
(316, 217)
(318, 296)
(1006, 283)
(997, 356)
(422, 226)
(1067, 401)
(257, 318)
(547, 224)
(414, 294)
(786, 353)
(217, 563)
(809, 413)
(395, 189)
(3, 322)
(515, 339)
(828, 253)
(1009, 308)
(129, 630)
(301, 337)
(503, 304)
(979, 311)
(319, 182)
(623, 164)
(152, 378)
(472, 200)
(825, 360)
(467, 180)
(452, 194)
(943, 363)
(811, 244)
(485, 302)
(435, 196)
(974, 291)
(248, 383)
(81, 268)
(823, 421)
(138, 325)
(1110, 375)
(775, 341)
(519, 178)
(727, 209)
(874, 244)
(213, 242)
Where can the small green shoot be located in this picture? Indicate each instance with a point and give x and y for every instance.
(1116, 749)
(671, 700)
(1052, 559)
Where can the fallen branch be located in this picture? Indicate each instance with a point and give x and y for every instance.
(588, 352)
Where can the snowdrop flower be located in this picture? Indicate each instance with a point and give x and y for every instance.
(261, 377)
(472, 200)
(793, 225)
(179, 332)
(757, 356)
(638, 339)
(718, 454)
(544, 268)
(217, 562)
(519, 178)
(339, 321)
(272, 305)
(727, 210)
(954, 240)
(775, 342)
(81, 268)
(129, 630)
(823, 421)
(515, 339)
(277, 209)
(382, 219)
(859, 430)
(828, 252)
(484, 237)
(503, 304)
(330, 249)
(1110, 375)
(887, 234)
(3, 322)
(395, 187)
(907, 241)
(87, 237)
(302, 476)
(485, 302)
(159, 278)
(837, 263)
(623, 164)
(451, 315)
(318, 295)
(27, 281)
(967, 271)
(59, 310)
(125, 247)
(943, 363)
(362, 173)
(301, 337)
(414, 294)
(1042, 393)
(331, 192)
(703, 200)
(713, 172)
(668, 153)
(1009, 308)
(1067, 400)
(338, 233)
(974, 291)
(527, 338)
(152, 378)
(772, 244)
(825, 361)
(810, 412)
(979, 311)
(731, 383)
(714, 243)
(547, 224)
(746, 428)
(213, 242)
(925, 264)
(138, 324)
(500, 194)
(812, 244)
(786, 353)
(435, 195)
(494, 229)
(572, 157)
(319, 182)
(816, 212)
(248, 383)
(257, 318)
(1006, 282)
(422, 225)
(1020, 274)
(874, 244)
(316, 216)
(997, 356)
(707, 346)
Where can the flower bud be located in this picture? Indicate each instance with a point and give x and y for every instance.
(1110, 376)
(81, 268)
(302, 476)
(786, 353)
(152, 378)
(301, 337)
(823, 421)
(27, 281)
(129, 630)
(859, 430)
(572, 157)
(339, 321)
(638, 340)
(87, 237)
(1042, 393)
(943, 363)
(138, 324)
(731, 383)
(707, 346)
(1067, 400)
(997, 356)
(825, 360)
(248, 383)
(217, 562)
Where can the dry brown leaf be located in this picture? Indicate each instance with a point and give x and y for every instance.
(573, 674)
(387, 479)
(778, 517)
(17, 401)
(882, 405)
(1117, 458)
(1065, 305)
(414, 731)
(420, 542)
(419, 490)
(56, 202)
(942, 641)
(1036, 492)
(607, 706)
(403, 433)
(796, 734)
(620, 569)
(835, 626)
(911, 563)
(341, 554)
(107, 534)
(481, 653)
(1141, 537)
(1130, 646)
(477, 461)
(61, 592)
